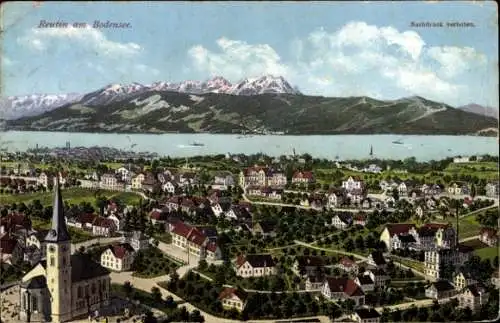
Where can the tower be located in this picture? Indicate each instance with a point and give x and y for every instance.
(59, 261)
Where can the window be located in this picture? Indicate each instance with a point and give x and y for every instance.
(52, 261)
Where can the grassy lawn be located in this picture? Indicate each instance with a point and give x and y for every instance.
(417, 265)
(487, 253)
(73, 195)
(469, 227)
(479, 169)
(153, 263)
(77, 235)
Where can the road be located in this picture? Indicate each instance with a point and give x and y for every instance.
(418, 303)
(147, 284)
(88, 243)
(330, 250)
(301, 206)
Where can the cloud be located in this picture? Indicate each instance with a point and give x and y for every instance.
(456, 60)
(41, 39)
(356, 59)
(238, 59)
(7, 61)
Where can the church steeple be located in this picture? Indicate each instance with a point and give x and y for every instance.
(59, 230)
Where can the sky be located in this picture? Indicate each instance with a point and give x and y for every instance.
(323, 48)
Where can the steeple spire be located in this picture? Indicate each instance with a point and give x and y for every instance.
(59, 231)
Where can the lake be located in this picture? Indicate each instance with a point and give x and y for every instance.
(329, 146)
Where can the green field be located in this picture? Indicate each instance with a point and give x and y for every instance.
(77, 235)
(73, 195)
(487, 253)
(469, 227)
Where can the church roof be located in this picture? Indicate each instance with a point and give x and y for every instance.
(84, 268)
(37, 282)
(59, 231)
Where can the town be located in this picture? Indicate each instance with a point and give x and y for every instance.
(229, 238)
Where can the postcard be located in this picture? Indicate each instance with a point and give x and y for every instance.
(249, 161)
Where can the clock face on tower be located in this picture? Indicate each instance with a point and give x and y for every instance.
(52, 249)
(63, 248)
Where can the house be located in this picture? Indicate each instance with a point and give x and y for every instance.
(103, 227)
(169, 187)
(353, 183)
(441, 263)
(366, 315)
(365, 282)
(335, 199)
(233, 298)
(376, 258)
(359, 219)
(440, 289)
(473, 297)
(403, 188)
(342, 288)
(348, 265)
(110, 182)
(238, 213)
(223, 179)
(366, 203)
(314, 282)
(389, 201)
(264, 228)
(37, 239)
(379, 276)
(137, 181)
(458, 188)
(308, 265)
(124, 173)
(434, 235)
(463, 278)
(342, 220)
(492, 189)
(261, 176)
(12, 251)
(394, 229)
(44, 179)
(356, 196)
(255, 265)
(220, 208)
(192, 241)
(137, 240)
(404, 241)
(489, 236)
(118, 257)
(303, 177)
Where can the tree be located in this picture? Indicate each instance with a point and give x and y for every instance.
(128, 289)
(156, 294)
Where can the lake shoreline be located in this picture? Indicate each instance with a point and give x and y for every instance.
(332, 147)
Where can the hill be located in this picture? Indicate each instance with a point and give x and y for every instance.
(155, 111)
(479, 109)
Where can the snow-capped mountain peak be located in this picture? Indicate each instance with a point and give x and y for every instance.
(30, 105)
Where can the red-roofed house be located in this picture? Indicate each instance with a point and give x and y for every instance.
(194, 242)
(14, 222)
(305, 177)
(342, 288)
(103, 227)
(348, 265)
(489, 236)
(118, 257)
(233, 298)
(11, 249)
(394, 229)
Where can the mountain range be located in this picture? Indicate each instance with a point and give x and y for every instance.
(262, 105)
(481, 110)
(15, 107)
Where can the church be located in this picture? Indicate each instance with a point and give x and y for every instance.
(62, 286)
